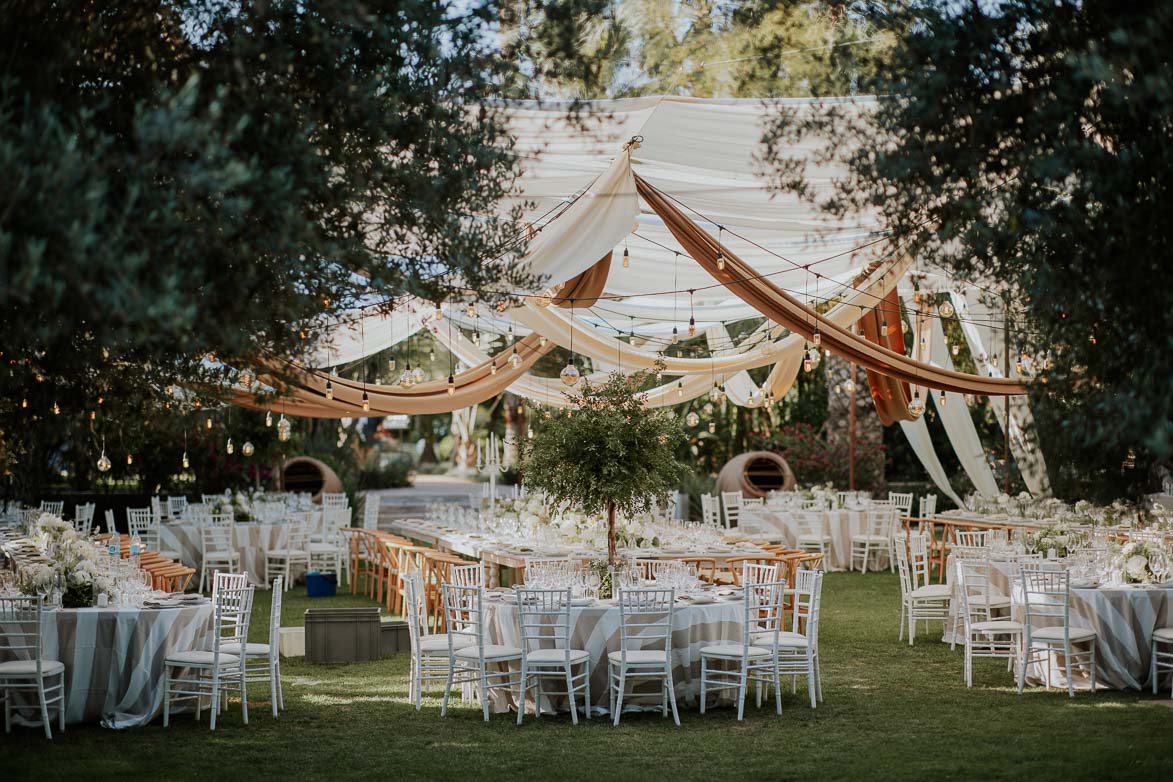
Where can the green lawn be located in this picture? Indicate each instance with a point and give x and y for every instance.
(891, 712)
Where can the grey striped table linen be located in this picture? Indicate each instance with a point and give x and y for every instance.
(252, 539)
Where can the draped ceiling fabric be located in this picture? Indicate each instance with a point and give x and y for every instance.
(884, 325)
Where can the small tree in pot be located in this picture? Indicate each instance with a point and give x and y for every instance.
(611, 454)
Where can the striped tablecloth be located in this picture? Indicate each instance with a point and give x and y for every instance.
(840, 525)
(252, 539)
(1123, 617)
(114, 660)
(596, 630)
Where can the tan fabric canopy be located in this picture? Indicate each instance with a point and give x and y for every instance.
(585, 289)
(890, 394)
(784, 309)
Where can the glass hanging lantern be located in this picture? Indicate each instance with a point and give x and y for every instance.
(569, 374)
(103, 462)
(884, 328)
(186, 464)
(807, 364)
(451, 385)
(439, 313)
(248, 449)
(848, 386)
(626, 258)
(712, 427)
(515, 359)
(916, 407)
(955, 349)
(720, 259)
(708, 408)
(366, 402)
(229, 447)
(692, 419)
(946, 309)
(246, 377)
(284, 429)
(817, 337)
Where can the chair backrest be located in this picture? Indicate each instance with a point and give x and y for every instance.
(711, 509)
(415, 611)
(928, 506)
(83, 518)
(844, 498)
(56, 507)
(211, 500)
(275, 615)
(218, 519)
(1046, 594)
(902, 500)
(645, 617)
(920, 559)
(467, 575)
(110, 521)
(176, 506)
(904, 570)
(765, 607)
(815, 505)
(20, 627)
(233, 609)
(370, 511)
(544, 616)
(879, 521)
(139, 521)
(157, 509)
(756, 573)
(464, 611)
(335, 500)
(215, 539)
(222, 580)
(810, 524)
(808, 599)
(731, 502)
(974, 538)
(973, 581)
(299, 536)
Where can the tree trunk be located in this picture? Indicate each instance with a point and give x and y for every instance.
(611, 558)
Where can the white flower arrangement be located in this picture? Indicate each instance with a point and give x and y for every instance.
(1060, 538)
(1135, 560)
(71, 564)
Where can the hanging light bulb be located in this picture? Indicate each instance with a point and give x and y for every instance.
(476, 338)
(391, 363)
(955, 349)
(24, 403)
(129, 459)
(723, 396)
(208, 423)
(432, 355)
(248, 449)
(680, 388)
(848, 386)
(472, 310)
(509, 333)
(229, 447)
(405, 380)
(807, 363)
(542, 342)
(451, 385)
(493, 367)
(946, 309)
(529, 433)
(884, 329)
(817, 337)
(103, 463)
(712, 427)
(626, 258)
(916, 408)
(692, 419)
(93, 415)
(56, 409)
(439, 314)
(692, 326)
(246, 377)
(515, 359)
(708, 408)
(941, 399)
(329, 389)
(366, 402)
(268, 418)
(720, 259)
(569, 374)
(185, 462)
(284, 429)
(418, 375)
(753, 400)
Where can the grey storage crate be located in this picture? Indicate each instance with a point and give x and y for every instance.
(342, 635)
(395, 638)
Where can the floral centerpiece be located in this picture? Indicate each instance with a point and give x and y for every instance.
(609, 454)
(1060, 538)
(1140, 563)
(71, 565)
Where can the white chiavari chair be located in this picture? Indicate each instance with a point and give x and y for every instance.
(464, 610)
(812, 531)
(928, 506)
(429, 653)
(83, 518)
(751, 656)
(335, 500)
(875, 540)
(294, 554)
(198, 673)
(141, 522)
(176, 506)
(110, 521)
(919, 600)
(262, 661)
(467, 575)
(797, 650)
(545, 619)
(370, 511)
(645, 620)
(985, 635)
(902, 501)
(731, 503)
(20, 634)
(55, 507)
(1046, 599)
(711, 510)
(217, 552)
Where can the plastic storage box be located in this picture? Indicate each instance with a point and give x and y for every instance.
(321, 584)
(342, 635)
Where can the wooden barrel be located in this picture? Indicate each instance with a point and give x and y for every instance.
(303, 473)
(756, 473)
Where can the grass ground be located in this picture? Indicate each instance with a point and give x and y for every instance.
(891, 712)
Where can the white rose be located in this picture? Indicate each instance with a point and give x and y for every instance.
(1136, 566)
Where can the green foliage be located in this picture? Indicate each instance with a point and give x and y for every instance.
(1028, 143)
(609, 449)
(384, 471)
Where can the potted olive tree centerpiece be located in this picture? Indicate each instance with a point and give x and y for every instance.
(609, 454)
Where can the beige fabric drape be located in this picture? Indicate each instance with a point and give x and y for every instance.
(585, 289)
(890, 395)
(783, 308)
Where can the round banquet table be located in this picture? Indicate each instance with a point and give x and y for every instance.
(252, 539)
(840, 525)
(1123, 617)
(114, 660)
(596, 630)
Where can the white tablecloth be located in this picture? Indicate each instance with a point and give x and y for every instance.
(1123, 617)
(596, 630)
(252, 539)
(840, 525)
(114, 660)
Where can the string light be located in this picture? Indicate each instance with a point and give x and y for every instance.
(229, 447)
(816, 337)
(268, 418)
(941, 399)
(675, 335)
(103, 462)
(493, 367)
(626, 257)
(720, 251)
(366, 402)
(916, 408)
(515, 358)
(248, 449)
(329, 389)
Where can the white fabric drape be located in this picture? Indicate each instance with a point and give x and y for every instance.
(918, 436)
(358, 336)
(1024, 443)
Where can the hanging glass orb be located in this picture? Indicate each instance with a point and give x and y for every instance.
(712, 427)
(708, 408)
(715, 393)
(246, 377)
(815, 357)
(569, 374)
(692, 419)
(724, 396)
(284, 429)
(405, 380)
(916, 407)
(418, 375)
(848, 386)
(103, 463)
(248, 449)
(515, 359)
(268, 418)
(946, 309)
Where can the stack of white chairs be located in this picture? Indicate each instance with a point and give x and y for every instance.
(984, 633)
(731, 504)
(83, 517)
(285, 560)
(1046, 599)
(919, 600)
(733, 664)
(198, 674)
(262, 661)
(141, 522)
(476, 663)
(217, 551)
(546, 654)
(55, 507)
(20, 634)
(645, 620)
(711, 509)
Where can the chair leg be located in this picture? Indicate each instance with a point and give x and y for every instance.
(61, 705)
(44, 709)
(810, 679)
(619, 695)
(280, 686)
(448, 687)
(243, 692)
(215, 697)
(484, 693)
(521, 695)
(273, 686)
(586, 686)
(704, 676)
(166, 696)
(672, 696)
(570, 694)
(1153, 664)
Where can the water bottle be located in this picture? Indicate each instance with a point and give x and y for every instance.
(136, 549)
(114, 546)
